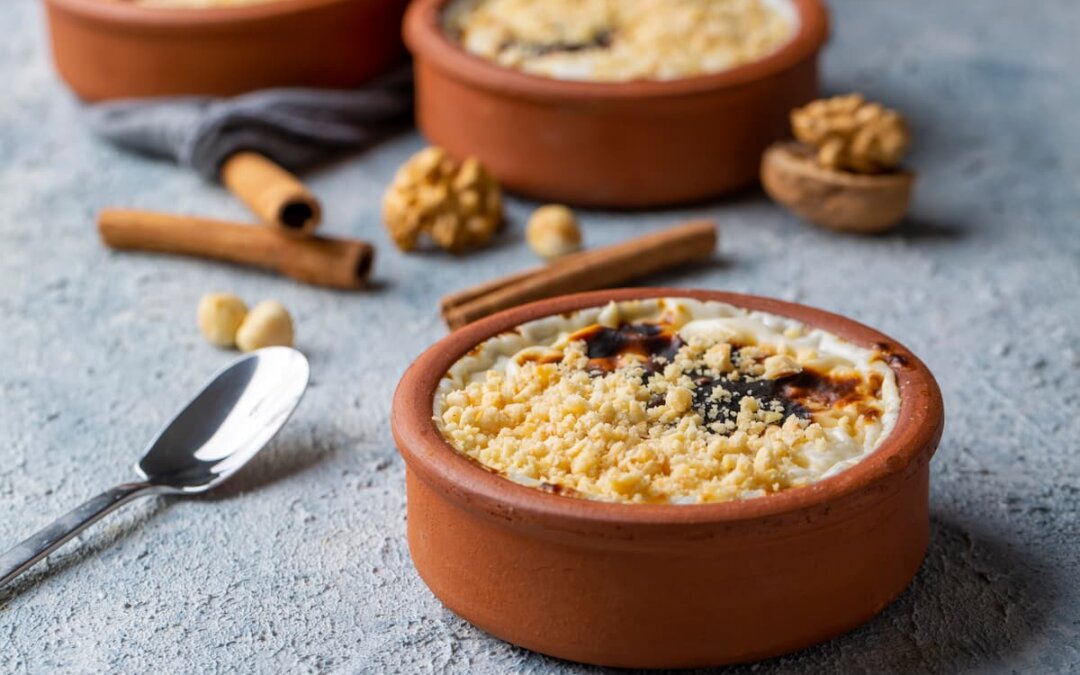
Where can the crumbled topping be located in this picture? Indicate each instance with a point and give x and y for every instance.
(712, 420)
(618, 40)
(780, 365)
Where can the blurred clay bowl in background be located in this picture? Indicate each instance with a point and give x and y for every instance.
(626, 144)
(107, 49)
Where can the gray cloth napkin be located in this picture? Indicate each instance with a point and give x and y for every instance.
(294, 127)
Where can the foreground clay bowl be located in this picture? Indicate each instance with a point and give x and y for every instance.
(620, 145)
(106, 49)
(666, 585)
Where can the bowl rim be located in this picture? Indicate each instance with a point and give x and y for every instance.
(426, 40)
(126, 13)
(911, 442)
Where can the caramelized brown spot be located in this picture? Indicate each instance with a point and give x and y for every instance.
(874, 382)
(820, 390)
(767, 392)
(601, 40)
(653, 344)
(656, 344)
(895, 360)
(798, 395)
(556, 489)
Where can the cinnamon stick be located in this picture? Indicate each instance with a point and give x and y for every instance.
(335, 263)
(584, 271)
(451, 300)
(276, 196)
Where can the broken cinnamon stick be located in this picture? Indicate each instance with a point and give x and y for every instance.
(335, 263)
(584, 271)
(276, 196)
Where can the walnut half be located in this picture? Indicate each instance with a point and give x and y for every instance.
(852, 134)
(457, 204)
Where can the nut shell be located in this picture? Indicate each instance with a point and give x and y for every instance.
(838, 200)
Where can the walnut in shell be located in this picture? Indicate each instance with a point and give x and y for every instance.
(457, 204)
(843, 173)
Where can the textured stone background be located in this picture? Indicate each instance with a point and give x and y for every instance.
(301, 563)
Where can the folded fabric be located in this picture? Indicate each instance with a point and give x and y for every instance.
(294, 127)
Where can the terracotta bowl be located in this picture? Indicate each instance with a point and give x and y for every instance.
(634, 144)
(666, 585)
(106, 49)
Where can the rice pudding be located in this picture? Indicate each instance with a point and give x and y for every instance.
(671, 400)
(620, 40)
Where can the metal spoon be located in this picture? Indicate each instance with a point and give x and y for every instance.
(230, 420)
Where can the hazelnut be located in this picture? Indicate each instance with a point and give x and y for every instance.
(457, 204)
(219, 316)
(839, 200)
(553, 231)
(268, 324)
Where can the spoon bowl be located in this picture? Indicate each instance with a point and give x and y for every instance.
(230, 420)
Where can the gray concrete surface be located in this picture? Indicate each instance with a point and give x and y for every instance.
(300, 565)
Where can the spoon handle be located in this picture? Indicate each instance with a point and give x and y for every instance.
(45, 541)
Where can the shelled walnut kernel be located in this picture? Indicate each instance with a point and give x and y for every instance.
(852, 134)
(457, 204)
